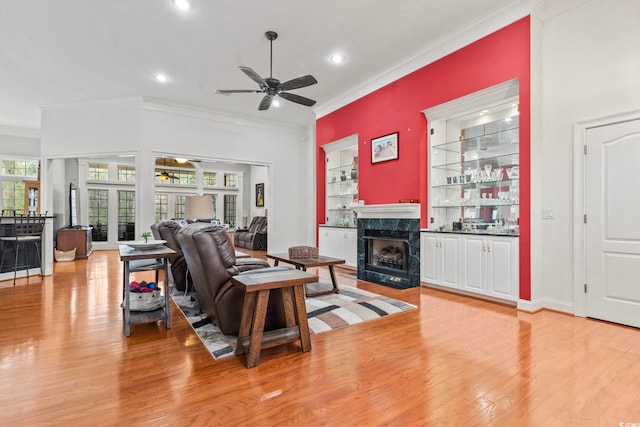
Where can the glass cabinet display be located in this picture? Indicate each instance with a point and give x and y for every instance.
(474, 174)
(342, 187)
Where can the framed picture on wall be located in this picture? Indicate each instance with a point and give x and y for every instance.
(260, 195)
(384, 148)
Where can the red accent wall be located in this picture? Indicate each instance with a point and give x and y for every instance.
(398, 107)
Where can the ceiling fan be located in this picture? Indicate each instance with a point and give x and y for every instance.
(164, 175)
(273, 87)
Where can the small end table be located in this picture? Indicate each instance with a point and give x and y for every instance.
(128, 254)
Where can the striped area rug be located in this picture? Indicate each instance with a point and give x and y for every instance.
(325, 313)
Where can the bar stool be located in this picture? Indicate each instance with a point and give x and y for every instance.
(26, 229)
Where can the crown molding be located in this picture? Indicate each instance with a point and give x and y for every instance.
(440, 48)
(23, 132)
(159, 105)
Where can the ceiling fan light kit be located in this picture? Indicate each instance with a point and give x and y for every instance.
(273, 87)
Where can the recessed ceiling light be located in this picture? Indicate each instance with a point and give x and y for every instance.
(183, 5)
(336, 58)
(161, 78)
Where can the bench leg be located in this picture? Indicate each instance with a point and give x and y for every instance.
(301, 317)
(257, 328)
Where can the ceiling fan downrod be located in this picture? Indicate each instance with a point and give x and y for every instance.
(271, 36)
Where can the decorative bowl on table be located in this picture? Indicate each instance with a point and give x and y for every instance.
(149, 244)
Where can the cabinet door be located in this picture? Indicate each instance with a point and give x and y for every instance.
(450, 264)
(331, 242)
(501, 262)
(474, 260)
(351, 247)
(429, 255)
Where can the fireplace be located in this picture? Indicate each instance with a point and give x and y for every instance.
(388, 248)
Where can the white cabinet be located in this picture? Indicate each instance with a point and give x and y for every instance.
(440, 259)
(479, 264)
(490, 265)
(340, 243)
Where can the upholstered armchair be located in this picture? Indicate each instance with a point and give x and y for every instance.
(254, 237)
(210, 256)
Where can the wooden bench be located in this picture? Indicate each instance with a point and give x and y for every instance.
(251, 337)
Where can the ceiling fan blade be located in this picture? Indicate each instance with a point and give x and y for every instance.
(299, 82)
(265, 103)
(297, 99)
(253, 76)
(229, 92)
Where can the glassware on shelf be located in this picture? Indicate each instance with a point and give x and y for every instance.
(487, 170)
(498, 172)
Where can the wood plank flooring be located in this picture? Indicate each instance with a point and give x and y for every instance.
(64, 360)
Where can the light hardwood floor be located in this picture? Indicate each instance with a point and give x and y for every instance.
(455, 361)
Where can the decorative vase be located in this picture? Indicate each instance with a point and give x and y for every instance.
(354, 174)
(343, 176)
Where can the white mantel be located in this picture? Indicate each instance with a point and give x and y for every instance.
(393, 210)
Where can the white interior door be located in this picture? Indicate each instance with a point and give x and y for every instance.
(612, 234)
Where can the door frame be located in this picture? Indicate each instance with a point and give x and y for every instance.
(579, 179)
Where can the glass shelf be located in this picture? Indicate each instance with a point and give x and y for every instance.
(491, 140)
(504, 160)
(477, 184)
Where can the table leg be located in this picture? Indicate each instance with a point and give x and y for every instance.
(245, 320)
(333, 279)
(126, 290)
(257, 328)
(301, 317)
(275, 262)
(167, 307)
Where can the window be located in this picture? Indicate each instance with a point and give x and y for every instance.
(126, 173)
(126, 215)
(230, 210)
(98, 172)
(180, 177)
(230, 180)
(99, 214)
(162, 207)
(209, 178)
(13, 195)
(26, 168)
(178, 211)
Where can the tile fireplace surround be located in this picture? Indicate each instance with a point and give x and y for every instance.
(398, 226)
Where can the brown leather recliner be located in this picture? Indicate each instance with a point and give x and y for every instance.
(166, 230)
(210, 256)
(254, 237)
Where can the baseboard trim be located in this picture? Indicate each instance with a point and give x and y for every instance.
(546, 304)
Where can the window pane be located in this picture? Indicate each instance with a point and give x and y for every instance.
(162, 205)
(126, 173)
(209, 178)
(230, 210)
(230, 180)
(178, 210)
(175, 177)
(13, 196)
(126, 215)
(27, 168)
(98, 172)
(99, 214)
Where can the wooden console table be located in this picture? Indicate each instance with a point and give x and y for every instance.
(257, 286)
(79, 238)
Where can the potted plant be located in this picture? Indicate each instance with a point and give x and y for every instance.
(146, 236)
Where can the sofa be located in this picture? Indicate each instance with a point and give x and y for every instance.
(210, 257)
(254, 237)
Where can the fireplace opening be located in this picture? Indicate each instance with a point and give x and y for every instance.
(386, 251)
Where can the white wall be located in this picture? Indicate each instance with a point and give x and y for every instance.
(590, 69)
(133, 125)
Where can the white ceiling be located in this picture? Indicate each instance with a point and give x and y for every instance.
(69, 51)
